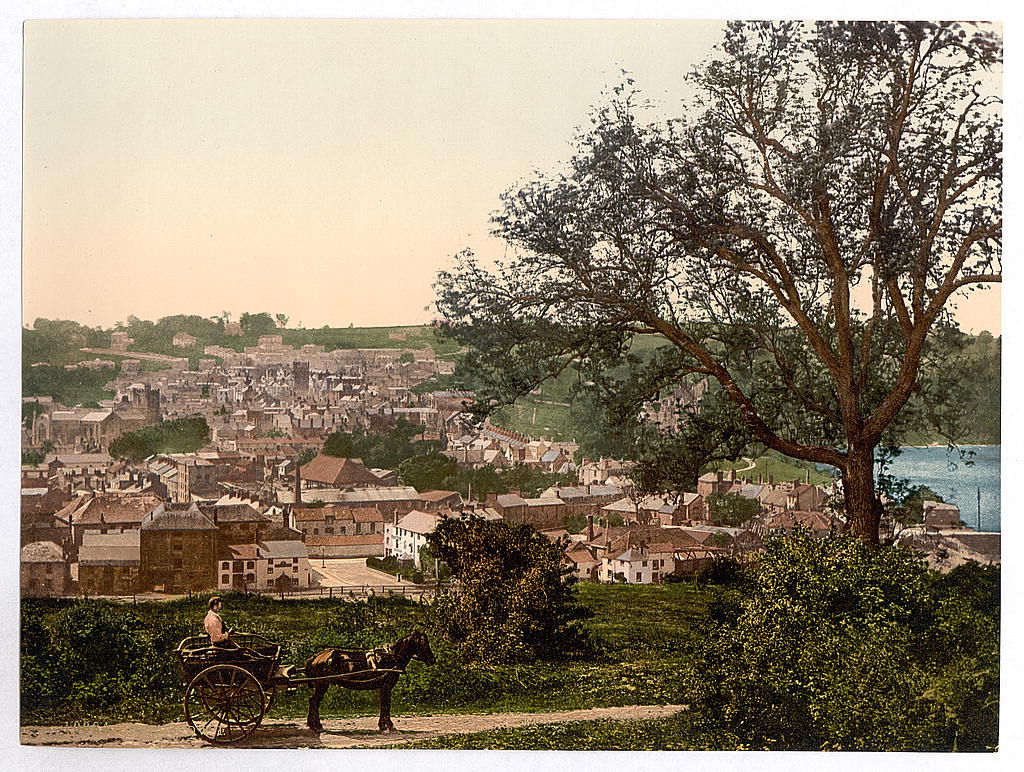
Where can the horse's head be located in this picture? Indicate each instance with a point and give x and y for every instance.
(419, 648)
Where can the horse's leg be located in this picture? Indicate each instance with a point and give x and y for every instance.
(313, 718)
(385, 724)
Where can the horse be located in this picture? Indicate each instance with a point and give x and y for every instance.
(392, 659)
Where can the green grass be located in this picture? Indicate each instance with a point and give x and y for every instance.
(68, 387)
(600, 735)
(776, 466)
(645, 636)
(536, 419)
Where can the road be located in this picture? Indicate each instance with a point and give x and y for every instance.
(338, 733)
(349, 572)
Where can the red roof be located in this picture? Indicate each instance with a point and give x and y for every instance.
(437, 495)
(338, 471)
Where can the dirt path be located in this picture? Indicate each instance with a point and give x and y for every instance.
(338, 733)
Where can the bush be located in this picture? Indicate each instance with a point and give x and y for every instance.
(839, 646)
(388, 564)
(514, 600)
(724, 570)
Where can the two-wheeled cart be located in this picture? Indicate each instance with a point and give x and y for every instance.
(228, 691)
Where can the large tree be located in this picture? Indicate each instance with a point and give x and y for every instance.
(796, 237)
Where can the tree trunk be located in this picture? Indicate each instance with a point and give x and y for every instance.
(859, 493)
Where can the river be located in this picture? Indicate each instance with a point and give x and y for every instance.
(956, 481)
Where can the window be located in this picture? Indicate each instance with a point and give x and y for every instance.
(329, 530)
(225, 565)
(249, 564)
(638, 576)
(224, 578)
(295, 561)
(270, 568)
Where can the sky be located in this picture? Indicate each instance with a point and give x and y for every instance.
(324, 169)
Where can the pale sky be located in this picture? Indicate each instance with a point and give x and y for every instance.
(319, 168)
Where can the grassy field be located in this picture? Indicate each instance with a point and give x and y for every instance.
(106, 662)
(776, 467)
(603, 735)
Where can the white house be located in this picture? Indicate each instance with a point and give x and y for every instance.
(269, 565)
(638, 565)
(404, 539)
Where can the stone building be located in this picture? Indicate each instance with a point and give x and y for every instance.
(178, 549)
(183, 340)
(108, 564)
(44, 571)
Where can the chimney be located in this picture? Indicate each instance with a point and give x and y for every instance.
(718, 475)
(590, 528)
(298, 485)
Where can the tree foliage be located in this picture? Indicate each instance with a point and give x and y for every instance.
(514, 600)
(385, 450)
(182, 435)
(731, 509)
(427, 472)
(796, 237)
(838, 646)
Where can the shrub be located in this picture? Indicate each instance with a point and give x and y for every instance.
(514, 601)
(839, 646)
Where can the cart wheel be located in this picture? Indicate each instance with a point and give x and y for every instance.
(224, 704)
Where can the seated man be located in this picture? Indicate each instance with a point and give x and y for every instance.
(219, 635)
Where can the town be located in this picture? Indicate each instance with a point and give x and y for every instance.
(260, 508)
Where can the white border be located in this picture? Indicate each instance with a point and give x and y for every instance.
(12, 16)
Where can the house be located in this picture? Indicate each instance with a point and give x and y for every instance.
(544, 512)
(268, 565)
(361, 545)
(584, 499)
(511, 506)
(338, 520)
(328, 471)
(44, 570)
(80, 470)
(404, 538)
(106, 512)
(283, 565)
(819, 524)
(437, 500)
(600, 472)
(108, 564)
(584, 563)
(178, 549)
(688, 508)
(388, 501)
(186, 475)
(236, 567)
(238, 521)
(641, 564)
(183, 340)
(807, 498)
(940, 515)
(715, 483)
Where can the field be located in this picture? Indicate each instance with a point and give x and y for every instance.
(104, 661)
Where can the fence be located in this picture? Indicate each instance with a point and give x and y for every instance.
(356, 591)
